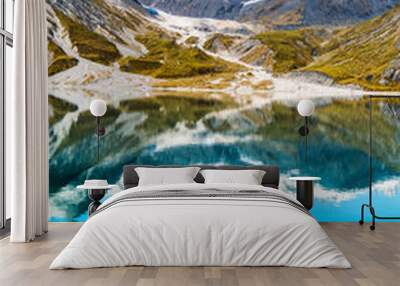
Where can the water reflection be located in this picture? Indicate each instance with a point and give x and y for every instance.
(195, 128)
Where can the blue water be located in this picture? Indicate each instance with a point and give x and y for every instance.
(337, 152)
(324, 211)
(351, 210)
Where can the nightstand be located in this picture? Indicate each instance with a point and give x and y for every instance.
(96, 191)
(305, 190)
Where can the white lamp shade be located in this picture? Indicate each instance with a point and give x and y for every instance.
(98, 107)
(306, 107)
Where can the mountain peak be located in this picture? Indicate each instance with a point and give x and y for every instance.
(301, 12)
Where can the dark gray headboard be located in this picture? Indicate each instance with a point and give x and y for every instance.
(271, 177)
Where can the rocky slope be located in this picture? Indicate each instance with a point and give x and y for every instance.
(277, 51)
(344, 11)
(278, 12)
(218, 9)
(122, 33)
(367, 54)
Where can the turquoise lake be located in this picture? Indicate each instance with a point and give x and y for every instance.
(217, 131)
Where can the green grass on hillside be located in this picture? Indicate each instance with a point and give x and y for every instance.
(131, 64)
(292, 49)
(225, 40)
(209, 81)
(59, 60)
(259, 55)
(167, 59)
(360, 54)
(59, 108)
(192, 40)
(90, 45)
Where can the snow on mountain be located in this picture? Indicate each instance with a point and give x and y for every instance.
(202, 28)
(251, 2)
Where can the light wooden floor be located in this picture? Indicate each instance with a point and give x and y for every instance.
(375, 257)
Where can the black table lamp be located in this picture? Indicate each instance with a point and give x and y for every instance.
(98, 108)
(305, 108)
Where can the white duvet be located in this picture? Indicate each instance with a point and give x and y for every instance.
(200, 231)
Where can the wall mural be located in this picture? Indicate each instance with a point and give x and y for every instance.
(217, 82)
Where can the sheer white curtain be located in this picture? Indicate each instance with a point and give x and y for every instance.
(27, 124)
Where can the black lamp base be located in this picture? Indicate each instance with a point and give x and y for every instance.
(305, 193)
(303, 130)
(100, 131)
(95, 195)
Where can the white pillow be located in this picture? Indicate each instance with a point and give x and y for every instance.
(248, 177)
(166, 176)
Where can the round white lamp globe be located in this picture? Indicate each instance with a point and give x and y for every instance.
(98, 107)
(306, 107)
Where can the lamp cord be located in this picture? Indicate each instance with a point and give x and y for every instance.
(98, 138)
(306, 140)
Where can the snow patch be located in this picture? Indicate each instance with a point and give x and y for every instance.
(199, 135)
(202, 27)
(251, 2)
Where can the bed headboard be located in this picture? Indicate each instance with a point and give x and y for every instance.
(270, 179)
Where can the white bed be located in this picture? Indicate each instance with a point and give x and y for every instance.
(207, 230)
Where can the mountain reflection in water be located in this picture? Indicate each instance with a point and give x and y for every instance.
(203, 129)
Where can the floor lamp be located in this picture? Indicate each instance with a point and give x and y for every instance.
(394, 112)
(98, 108)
